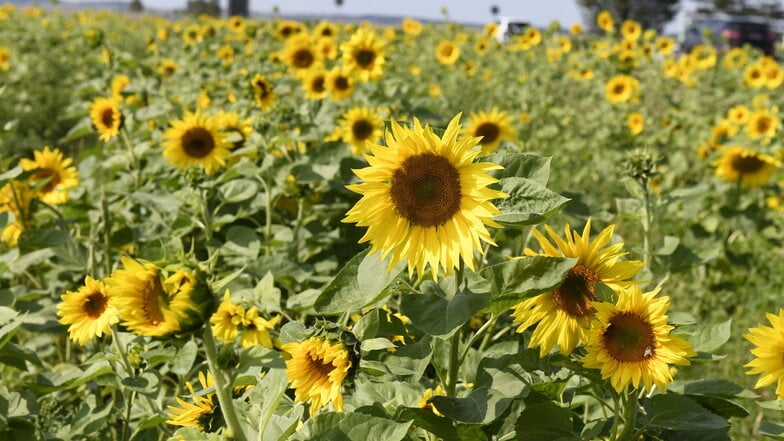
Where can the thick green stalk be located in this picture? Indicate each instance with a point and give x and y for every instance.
(630, 407)
(222, 389)
(454, 346)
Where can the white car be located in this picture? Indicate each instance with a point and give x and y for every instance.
(509, 26)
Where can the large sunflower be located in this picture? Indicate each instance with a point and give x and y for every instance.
(196, 140)
(262, 91)
(358, 127)
(205, 412)
(563, 316)
(363, 55)
(493, 127)
(58, 172)
(106, 117)
(631, 342)
(89, 311)
(751, 168)
(424, 199)
(768, 344)
(316, 369)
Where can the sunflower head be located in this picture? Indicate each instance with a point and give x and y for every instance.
(358, 127)
(491, 127)
(262, 91)
(196, 140)
(106, 117)
(364, 55)
(315, 84)
(90, 311)
(746, 166)
(447, 52)
(768, 344)
(340, 83)
(204, 413)
(301, 55)
(620, 88)
(54, 175)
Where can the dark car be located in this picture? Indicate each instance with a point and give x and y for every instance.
(728, 32)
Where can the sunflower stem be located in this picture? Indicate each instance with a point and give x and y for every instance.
(267, 212)
(130, 372)
(454, 346)
(222, 389)
(630, 407)
(487, 325)
(646, 225)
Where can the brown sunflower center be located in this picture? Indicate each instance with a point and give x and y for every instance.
(197, 142)
(426, 190)
(317, 85)
(211, 420)
(303, 58)
(318, 366)
(576, 293)
(488, 131)
(151, 297)
(447, 50)
(362, 129)
(763, 125)
(747, 164)
(365, 57)
(619, 89)
(341, 83)
(95, 305)
(51, 175)
(107, 118)
(629, 338)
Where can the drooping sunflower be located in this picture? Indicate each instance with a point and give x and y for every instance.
(227, 319)
(631, 342)
(262, 91)
(315, 85)
(363, 55)
(89, 311)
(301, 55)
(620, 88)
(493, 127)
(151, 305)
(340, 83)
(256, 329)
(205, 412)
(424, 200)
(563, 316)
(447, 52)
(106, 117)
(768, 344)
(58, 172)
(316, 369)
(636, 122)
(358, 127)
(751, 168)
(196, 139)
(119, 83)
(762, 124)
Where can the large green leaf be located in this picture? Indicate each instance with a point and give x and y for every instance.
(434, 314)
(677, 412)
(545, 421)
(529, 202)
(517, 279)
(707, 338)
(521, 165)
(429, 421)
(331, 426)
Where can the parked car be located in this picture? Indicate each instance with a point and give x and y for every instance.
(509, 26)
(725, 32)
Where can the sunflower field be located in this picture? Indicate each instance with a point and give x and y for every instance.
(247, 229)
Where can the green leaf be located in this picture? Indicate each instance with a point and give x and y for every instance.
(238, 190)
(707, 338)
(24, 261)
(433, 314)
(363, 281)
(522, 165)
(331, 426)
(409, 360)
(677, 412)
(517, 279)
(529, 202)
(717, 387)
(243, 241)
(481, 406)
(88, 418)
(67, 376)
(32, 240)
(427, 420)
(545, 421)
(186, 356)
(772, 430)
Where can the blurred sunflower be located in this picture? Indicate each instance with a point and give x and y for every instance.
(192, 35)
(631, 30)
(15, 197)
(738, 114)
(301, 55)
(762, 124)
(340, 83)
(262, 91)
(493, 127)
(424, 200)
(119, 83)
(204, 414)
(768, 344)
(326, 29)
(734, 58)
(89, 311)
(754, 76)
(636, 122)
(106, 117)
(316, 369)
(631, 342)
(576, 29)
(750, 168)
(358, 127)
(288, 28)
(665, 45)
(411, 26)
(5, 59)
(620, 88)
(363, 55)
(227, 319)
(256, 329)
(196, 140)
(563, 316)
(315, 85)
(237, 130)
(167, 68)
(605, 21)
(447, 52)
(58, 172)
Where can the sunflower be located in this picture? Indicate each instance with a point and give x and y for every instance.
(119, 83)
(326, 29)
(424, 200)
(631, 342)
(192, 35)
(363, 55)
(761, 124)
(5, 59)
(750, 168)
(238, 130)
(106, 117)
(636, 122)
(563, 316)
(262, 91)
(256, 329)
(204, 414)
(492, 127)
(768, 344)
(411, 26)
(90, 311)
(665, 45)
(301, 55)
(196, 140)
(57, 172)
(576, 29)
(429, 393)
(15, 197)
(167, 68)
(447, 52)
(316, 369)
(605, 21)
(340, 84)
(315, 84)
(738, 114)
(754, 76)
(227, 319)
(288, 28)
(631, 30)
(358, 127)
(150, 305)
(620, 88)
(735, 58)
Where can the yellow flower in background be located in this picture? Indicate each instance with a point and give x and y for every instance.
(738, 115)
(15, 197)
(118, 85)
(429, 393)
(227, 320)
(620, 88)
(631, 30)
(326, 29)
(434, 90)
(754, 76)
(564, 43)
(768, 344)
(411, 26)
(89, 311)
(636, 122)
(106, 117)
(761, 124)
(237, 130)
(563, 316)
(316, 369)
(58, 172)
(424, 199)
(721, 132)
(734, 58)
(493, 127)
(225, 53)
(255, 330)
(447, 52)
(5, 58)
(490, 30)
(263, 92)
(665, 45)
(605, 21)
(204, 414)
(286, 29)
(363, 55)
(750, 168)
(315, 84)
(167, 68)
(196, 139)
(773, 73)
(358, 127)
(631, 342)
(703, 56)
(340, 83)
(301, 55)
(576, 29)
